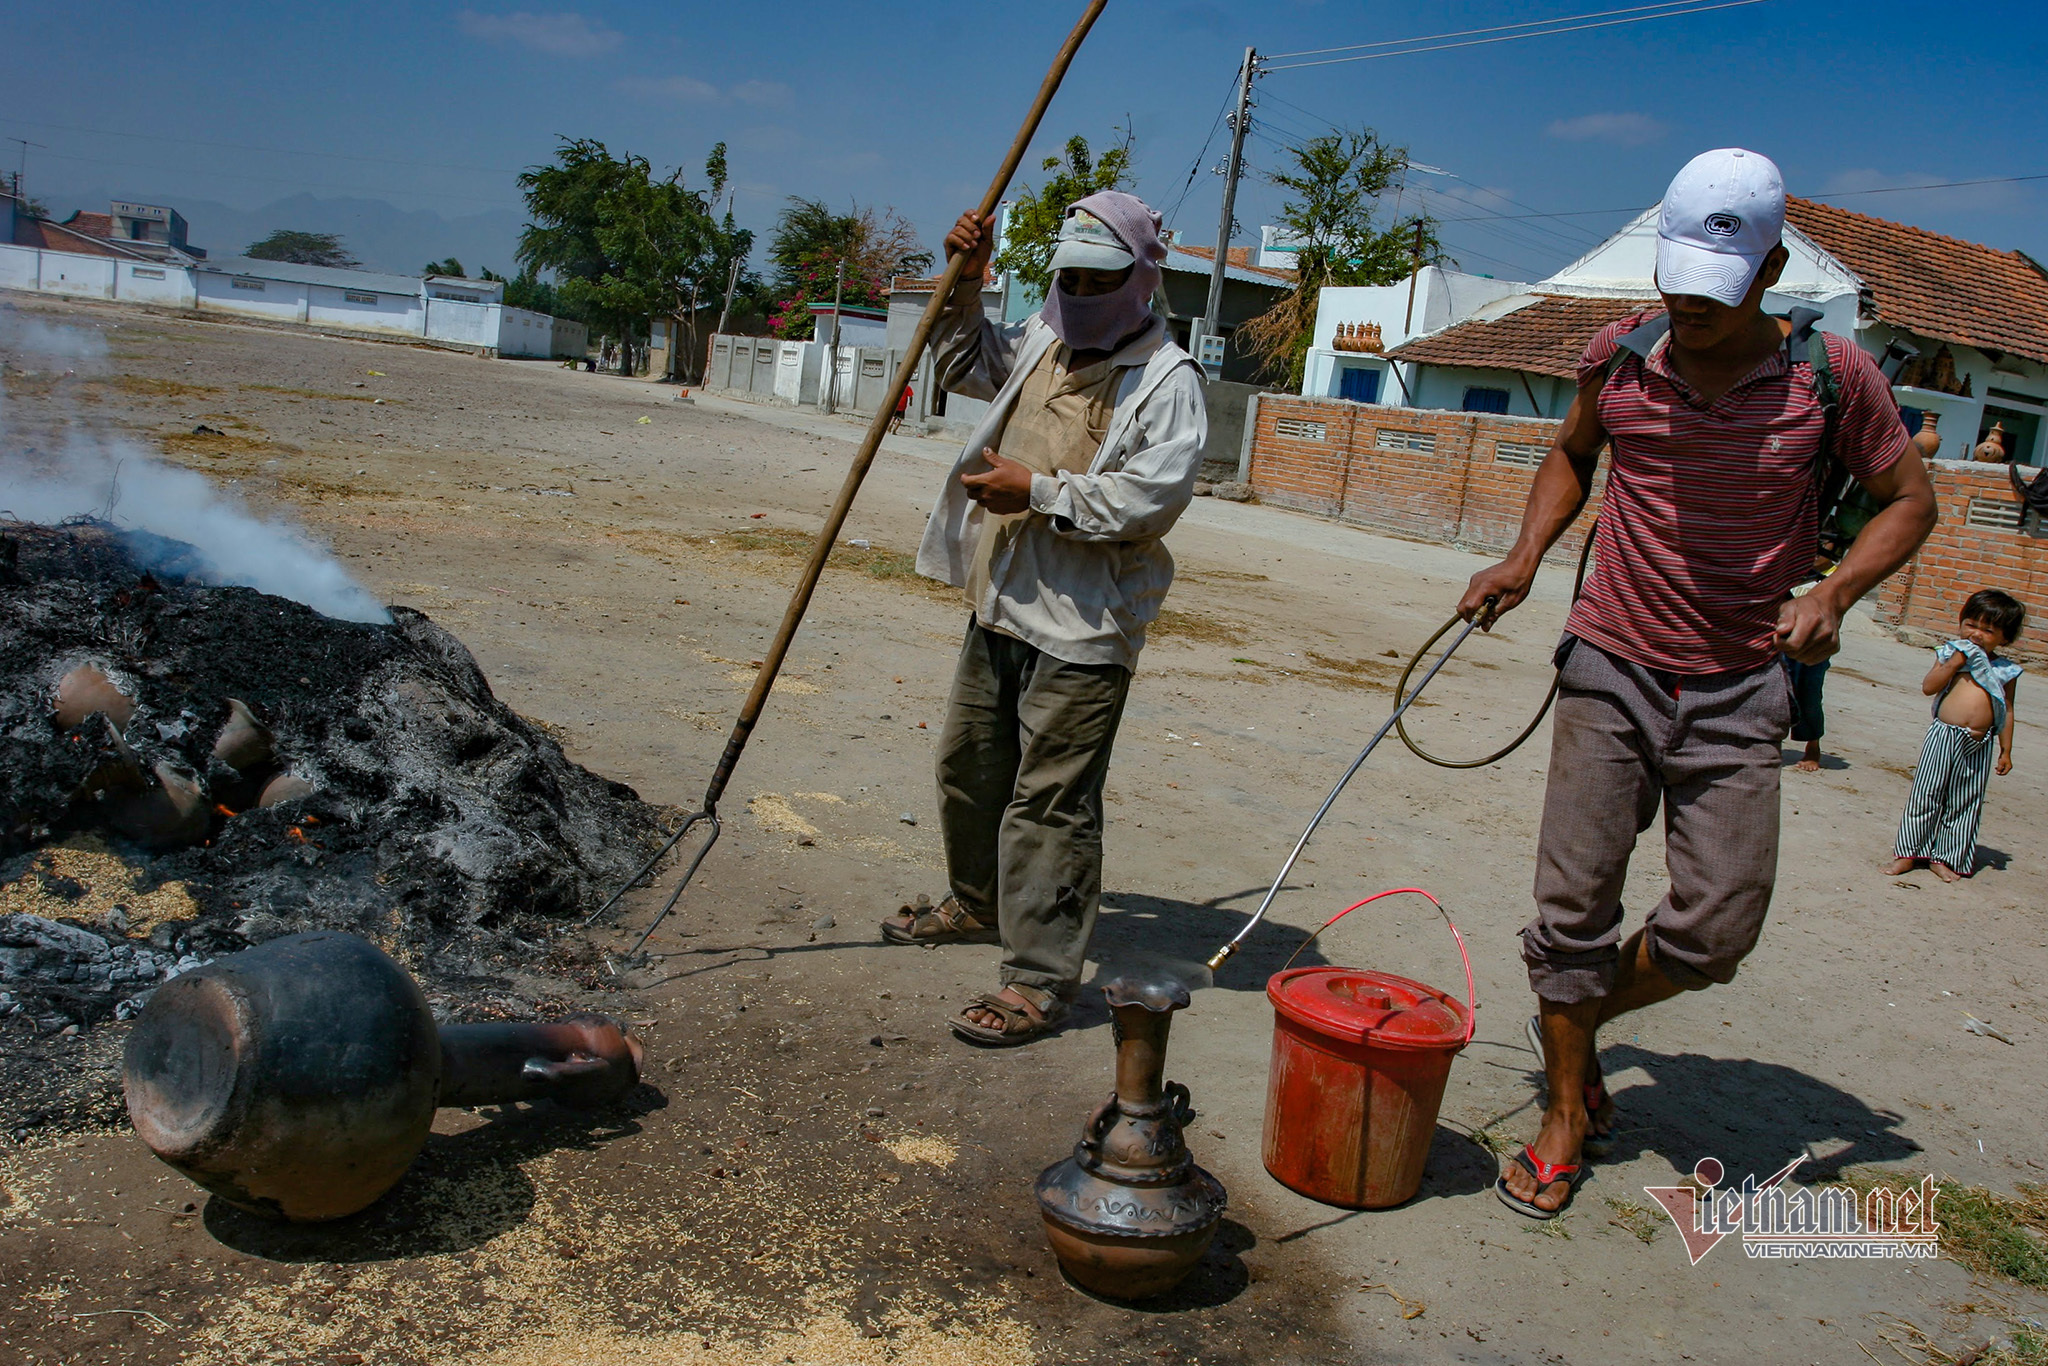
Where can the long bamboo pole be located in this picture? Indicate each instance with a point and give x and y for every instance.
(800, 600)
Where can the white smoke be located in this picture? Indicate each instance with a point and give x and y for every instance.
(116, 478)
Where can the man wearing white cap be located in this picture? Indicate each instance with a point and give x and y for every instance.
(1050, 521)
(1670, 689)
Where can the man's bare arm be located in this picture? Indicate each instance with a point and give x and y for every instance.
(1810, 626)
(1563, 483)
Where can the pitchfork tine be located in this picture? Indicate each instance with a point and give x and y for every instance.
(688, 873)
(645, 868)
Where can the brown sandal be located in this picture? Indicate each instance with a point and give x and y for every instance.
(947, 923)
(1019, 1025)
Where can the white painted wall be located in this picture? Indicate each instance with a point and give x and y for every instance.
(20, 267)
(464, 323)
(1442, 297)
(365, 311)
(487, 326)
(89, 276)
(278, 300)
(524, 333)
(143, 283)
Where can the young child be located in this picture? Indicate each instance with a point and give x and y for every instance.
(1973, 691)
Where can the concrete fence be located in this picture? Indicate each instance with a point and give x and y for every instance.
(795, 373)
(490, 328)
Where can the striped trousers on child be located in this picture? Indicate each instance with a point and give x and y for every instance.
(1948, 797)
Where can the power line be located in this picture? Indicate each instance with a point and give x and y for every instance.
(1203, 155)
(1469, 32)
(1510, 37)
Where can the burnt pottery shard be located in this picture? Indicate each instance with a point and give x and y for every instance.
(86, 690)
(1129, 1214)
(244, 743)
(284, 787)
(298, 1080)
(169, 814)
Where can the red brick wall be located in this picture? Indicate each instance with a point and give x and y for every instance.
(1921, 601)
(1458, 492)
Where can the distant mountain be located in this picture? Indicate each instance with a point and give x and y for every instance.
(380, 235)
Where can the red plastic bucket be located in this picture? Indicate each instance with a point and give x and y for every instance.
(1360, 1059)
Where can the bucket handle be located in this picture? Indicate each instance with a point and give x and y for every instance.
(1471, 993)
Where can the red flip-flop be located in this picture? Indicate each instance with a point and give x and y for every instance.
(1547, 1174)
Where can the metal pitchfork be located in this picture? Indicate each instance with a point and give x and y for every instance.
(800, 600)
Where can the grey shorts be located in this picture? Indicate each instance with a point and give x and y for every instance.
(1628, 741)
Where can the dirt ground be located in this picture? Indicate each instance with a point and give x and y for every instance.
(820, 1173)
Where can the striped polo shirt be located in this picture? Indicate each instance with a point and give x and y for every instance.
(1711, 509)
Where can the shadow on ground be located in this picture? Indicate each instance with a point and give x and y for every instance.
(461, 1191)
(1754, 1116)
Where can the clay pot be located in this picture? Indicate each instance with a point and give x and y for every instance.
(86, 690)
(244, 743)
(1991, 449)
(299, 1079)
(284, 787)
(169, 814)
(1129, 1214)
(1927, 441)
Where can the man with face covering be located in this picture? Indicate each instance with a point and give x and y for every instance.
(1050, 521)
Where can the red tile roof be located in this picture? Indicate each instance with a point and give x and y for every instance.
(1940, 287)
(1544, 338)
(41, 232)
(91, 224)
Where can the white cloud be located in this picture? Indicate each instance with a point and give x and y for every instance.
(760, 92)
(1623, 130)
(558, 35)
(690, 90)
(675, 89)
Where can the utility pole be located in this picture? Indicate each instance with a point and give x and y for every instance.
(732, 279)
(21, 169)
(1414, 269)
(1212, 314)
(832, 356)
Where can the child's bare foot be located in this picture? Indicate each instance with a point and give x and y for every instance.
(1944, 872)
(1809, 762)
(1897, 866)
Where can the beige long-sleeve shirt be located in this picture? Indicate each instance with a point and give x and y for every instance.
(1084, 572)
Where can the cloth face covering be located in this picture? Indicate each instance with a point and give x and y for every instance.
(1098, 322)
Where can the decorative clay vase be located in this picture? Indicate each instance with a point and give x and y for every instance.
(1129, 1214)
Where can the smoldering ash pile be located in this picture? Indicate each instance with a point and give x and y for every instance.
(290, 770)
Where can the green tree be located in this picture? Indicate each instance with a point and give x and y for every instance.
(627, 246)
(527, 290)
(303, 249)
(1035, 217)
(811, 242)
(1333, 212)
(451, 266)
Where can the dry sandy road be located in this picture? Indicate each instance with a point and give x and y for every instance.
(598, 547)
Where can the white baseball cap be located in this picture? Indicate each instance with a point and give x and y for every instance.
(1088, 243)
(1720, 218)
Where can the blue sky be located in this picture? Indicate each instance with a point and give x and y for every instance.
(434, 107)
